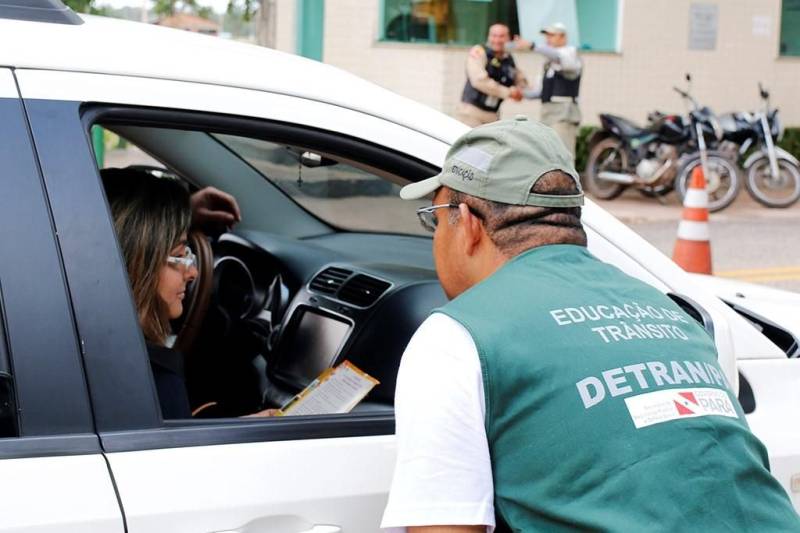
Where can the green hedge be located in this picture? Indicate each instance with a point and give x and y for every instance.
(582, 147)
(790, 143)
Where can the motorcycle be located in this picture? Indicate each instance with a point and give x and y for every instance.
(661, 156)
(772, 174)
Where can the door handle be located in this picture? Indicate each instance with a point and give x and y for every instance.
(321, 528)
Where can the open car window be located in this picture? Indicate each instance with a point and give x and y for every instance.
(339, 193)
(114, 151)
(266, 333)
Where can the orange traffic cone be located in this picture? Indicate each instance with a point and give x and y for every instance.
(693, 248)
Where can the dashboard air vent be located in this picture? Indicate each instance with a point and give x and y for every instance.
(329, 280)
(362, 290)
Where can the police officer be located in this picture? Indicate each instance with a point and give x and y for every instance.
(492, 76)
(560, 83)
(554, 389)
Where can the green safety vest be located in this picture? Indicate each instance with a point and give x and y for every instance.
(606, 408)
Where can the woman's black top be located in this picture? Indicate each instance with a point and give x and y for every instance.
(167, 365)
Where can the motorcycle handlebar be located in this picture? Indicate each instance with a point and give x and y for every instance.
(763, 92)
(687, 96)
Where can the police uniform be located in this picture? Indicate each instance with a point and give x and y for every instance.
(560, 87)
(489, 79)
(563, 394)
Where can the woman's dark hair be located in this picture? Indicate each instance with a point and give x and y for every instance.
(150, 215)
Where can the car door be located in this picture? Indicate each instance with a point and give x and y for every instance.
(303, 474)
(54, 476)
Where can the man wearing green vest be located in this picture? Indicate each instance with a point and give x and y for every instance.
(553, 390)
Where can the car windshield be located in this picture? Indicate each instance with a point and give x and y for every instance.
(340, 194)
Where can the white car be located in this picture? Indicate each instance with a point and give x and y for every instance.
(327, 265)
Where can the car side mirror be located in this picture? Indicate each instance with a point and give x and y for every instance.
(694, 310)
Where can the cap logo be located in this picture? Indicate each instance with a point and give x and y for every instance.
(466, 174)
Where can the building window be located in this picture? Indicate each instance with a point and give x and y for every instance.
(460, 22)
(790, 28)
(597, 25)
(593, 24)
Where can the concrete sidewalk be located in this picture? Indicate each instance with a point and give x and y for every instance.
(634, 208)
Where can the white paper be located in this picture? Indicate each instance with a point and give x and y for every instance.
(337, 392)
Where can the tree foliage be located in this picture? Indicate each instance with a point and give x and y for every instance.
(81, 6)
(84, 6)
(164, 8)
(244, 7)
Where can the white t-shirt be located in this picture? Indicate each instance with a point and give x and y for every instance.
(564, 59)
(443, 474)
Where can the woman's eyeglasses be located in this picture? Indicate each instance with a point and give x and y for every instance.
(428, 219)
(186, 261)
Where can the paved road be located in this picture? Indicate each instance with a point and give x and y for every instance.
(748, 241)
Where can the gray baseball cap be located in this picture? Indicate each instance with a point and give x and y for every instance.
(501, 162)
(555, 28)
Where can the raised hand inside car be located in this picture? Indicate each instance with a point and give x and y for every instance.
(214, 211)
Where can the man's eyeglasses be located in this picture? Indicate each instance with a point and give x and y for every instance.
(186, 261)
(428, 219)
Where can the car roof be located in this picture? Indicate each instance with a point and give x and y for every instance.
(118, 47)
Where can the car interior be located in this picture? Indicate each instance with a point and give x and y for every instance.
(327, 265)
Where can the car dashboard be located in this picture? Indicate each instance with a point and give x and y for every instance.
(294, 308)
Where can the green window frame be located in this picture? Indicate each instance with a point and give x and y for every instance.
(448, 22)
(593, 24)
(598, 25)
(790, 28)
(310, 28)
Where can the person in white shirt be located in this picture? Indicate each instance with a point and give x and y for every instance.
(560, 83)
(526, 396)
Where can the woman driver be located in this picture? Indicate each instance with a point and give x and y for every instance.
(152, 218)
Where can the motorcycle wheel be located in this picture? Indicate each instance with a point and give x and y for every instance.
(655, 192)
(782, 191)
(609, 155)
(722, 183)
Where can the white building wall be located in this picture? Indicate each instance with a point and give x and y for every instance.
(351, 42)
(286, 25)
(654, 56)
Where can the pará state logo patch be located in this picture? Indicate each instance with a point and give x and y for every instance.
(672, 404)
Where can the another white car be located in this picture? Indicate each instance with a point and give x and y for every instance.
(326, 265)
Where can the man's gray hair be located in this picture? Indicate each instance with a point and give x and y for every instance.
(517, 228)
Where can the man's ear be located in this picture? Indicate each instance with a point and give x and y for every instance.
(471, 229)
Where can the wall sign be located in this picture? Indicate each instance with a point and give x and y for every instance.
(703, 26)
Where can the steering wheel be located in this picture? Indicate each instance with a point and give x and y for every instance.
(198, 297)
